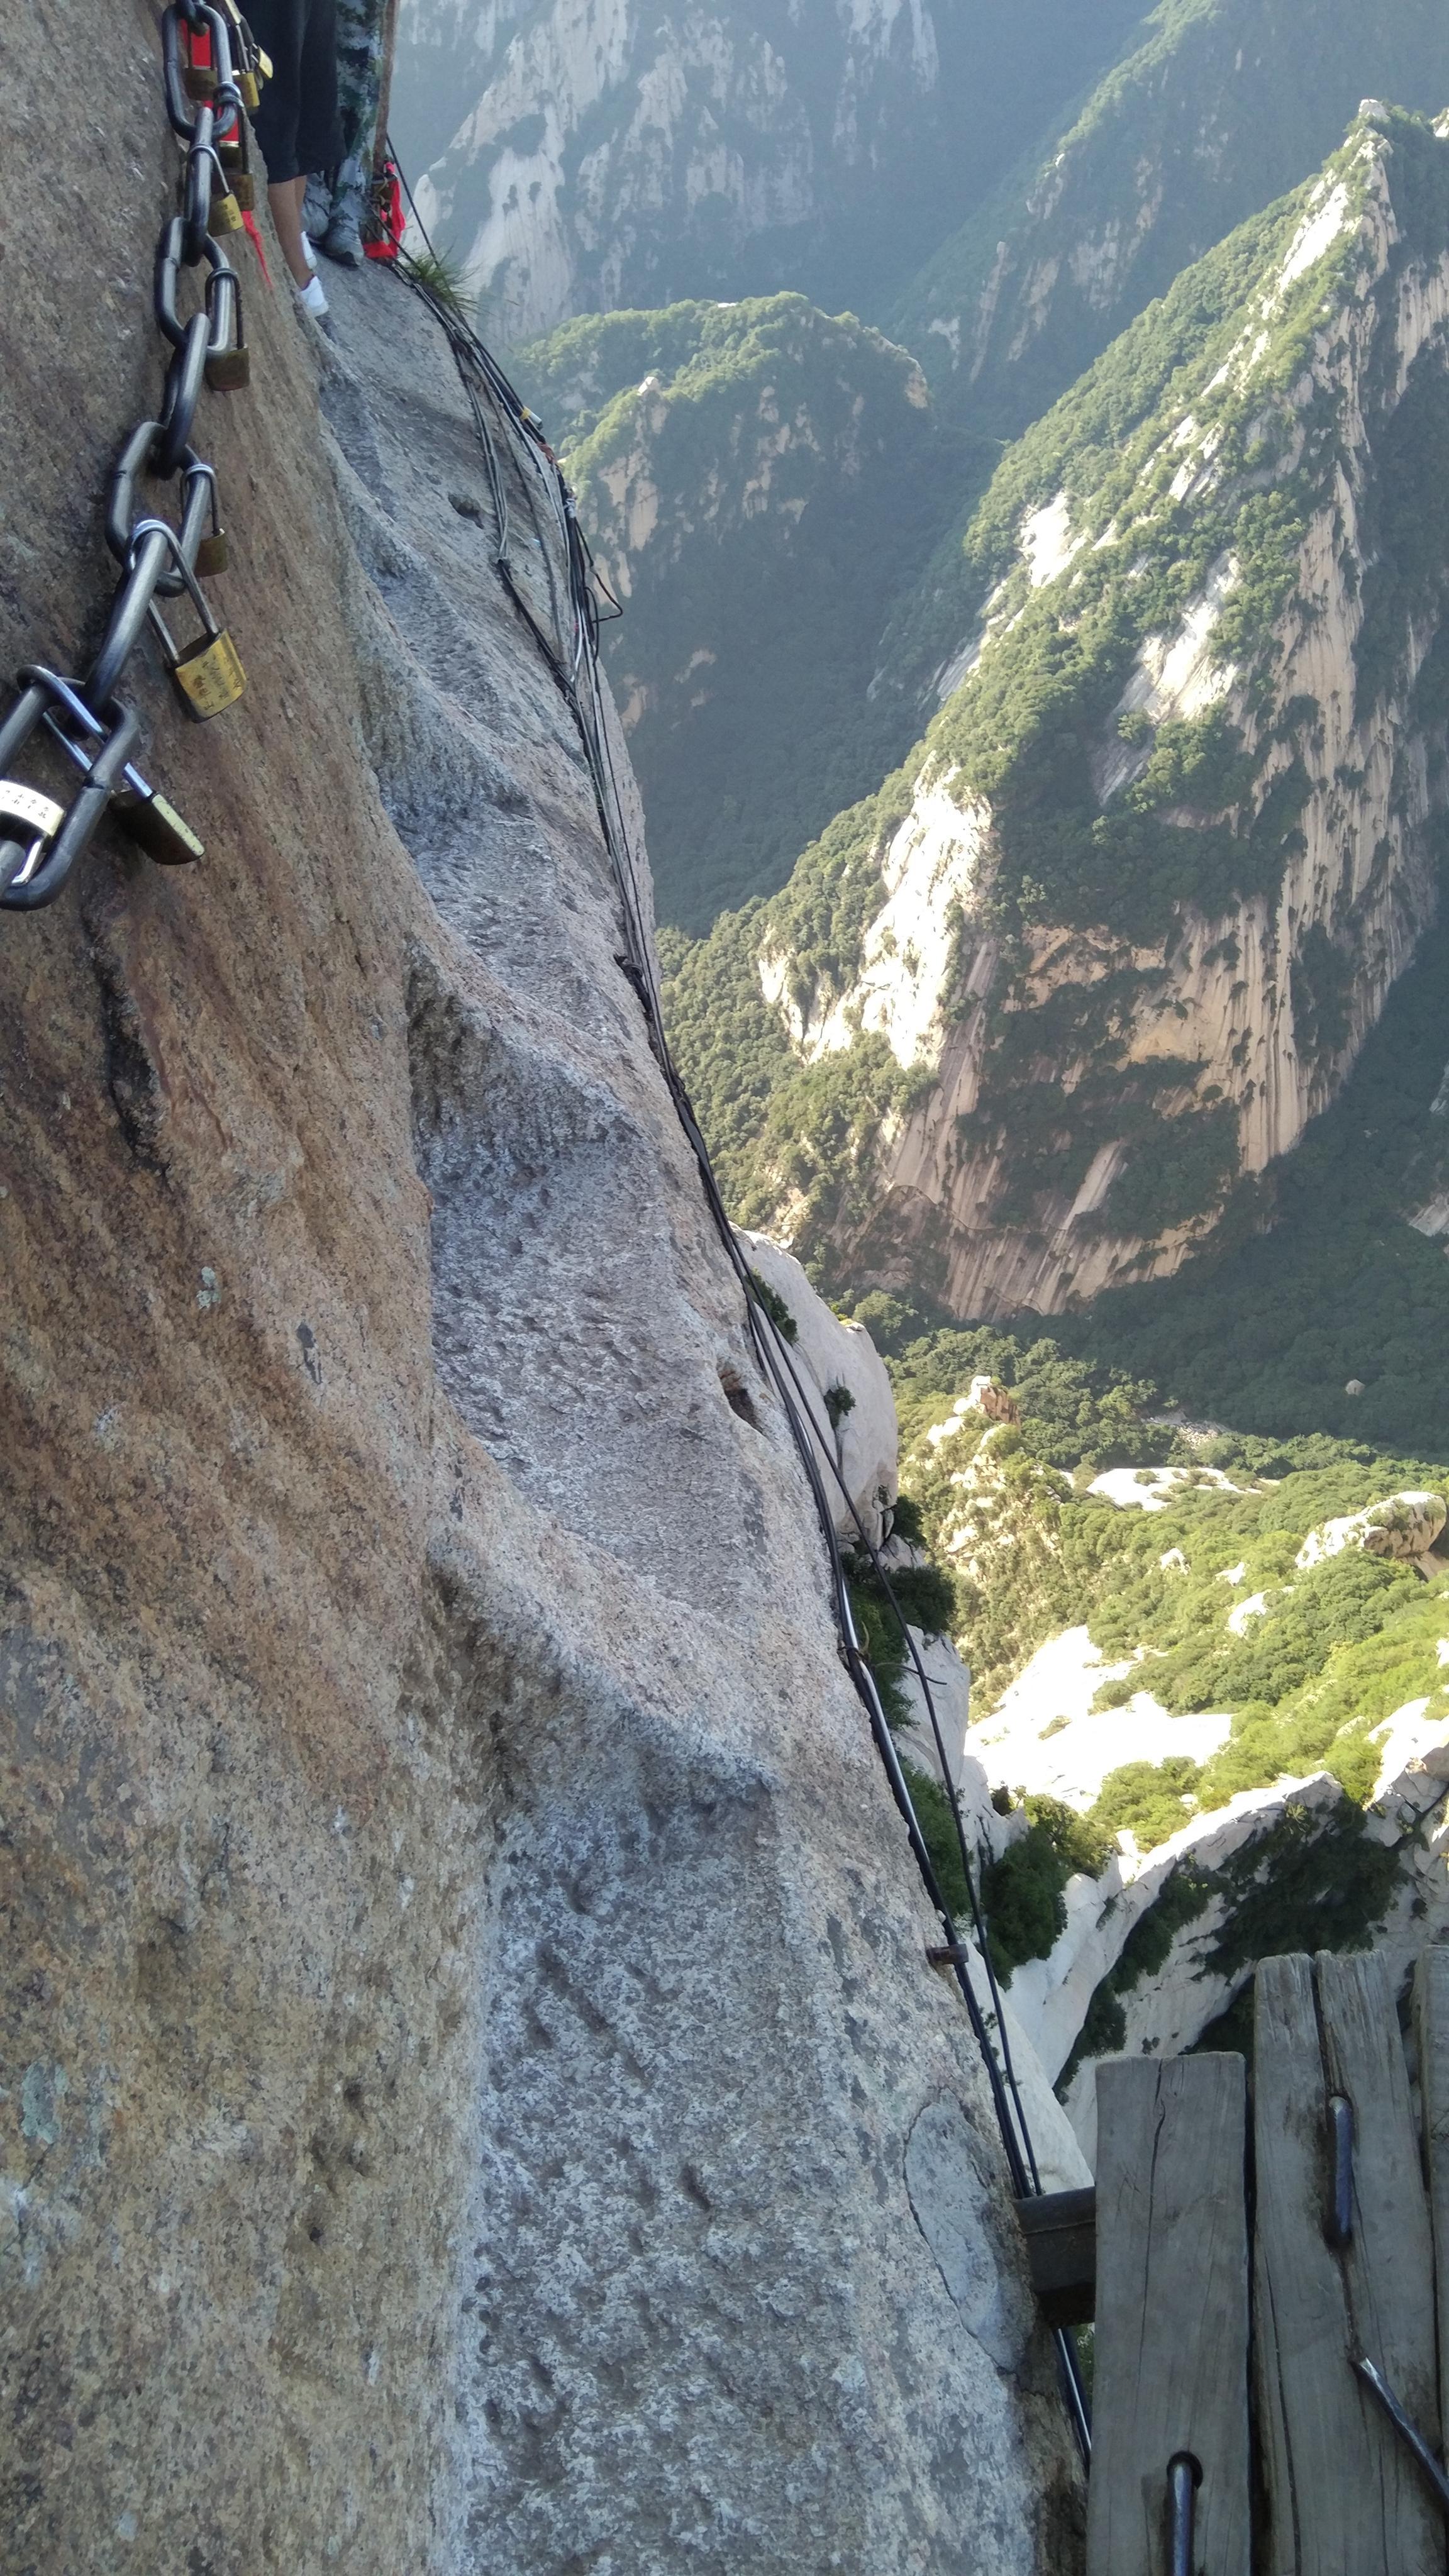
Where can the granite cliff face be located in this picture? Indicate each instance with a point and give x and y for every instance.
(1120, 926)
(473, 2093)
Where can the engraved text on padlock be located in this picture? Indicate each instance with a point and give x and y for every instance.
(209, 675)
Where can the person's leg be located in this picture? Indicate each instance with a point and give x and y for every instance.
(285, 199)
(319, 133)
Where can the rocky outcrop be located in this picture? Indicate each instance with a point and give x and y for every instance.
(467, 2035)
(1405, 1526)
(845, 1393)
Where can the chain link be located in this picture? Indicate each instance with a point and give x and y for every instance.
(212, 71)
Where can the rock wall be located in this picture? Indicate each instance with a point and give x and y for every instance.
(473, 2095)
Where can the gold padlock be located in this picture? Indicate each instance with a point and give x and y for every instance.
(225, 215)
(251, 93)
(144, 814)
(236, 163)
(212, 555)
(209, 676)
(207, 672)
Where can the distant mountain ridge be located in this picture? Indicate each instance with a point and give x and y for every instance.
(759, 483)
(1217, 107)
(1118, 928)
(582, 161)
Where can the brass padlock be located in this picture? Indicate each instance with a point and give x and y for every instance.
(146, 816)
(230, 371)
(225, 215)
(251, 91)
(150, 820)
(236, 163)
(209, 675)
(199, 82)
(212, 554)
(207, 672)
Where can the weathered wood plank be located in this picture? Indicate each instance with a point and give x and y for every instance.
(1431, 2014)
(1171, 2369)
(1344, 2498)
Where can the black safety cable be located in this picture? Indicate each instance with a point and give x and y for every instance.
(575, 670)
(212, 71)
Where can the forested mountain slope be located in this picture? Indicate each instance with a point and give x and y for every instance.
(760, 483)
(1120, 925)
(1217, 107)
(578, 159)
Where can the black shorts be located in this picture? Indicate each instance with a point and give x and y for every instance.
(297, 124)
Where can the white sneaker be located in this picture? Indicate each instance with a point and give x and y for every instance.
(311, 298)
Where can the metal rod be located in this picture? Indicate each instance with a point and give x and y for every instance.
(1184, 2477)
(1408, 2432)
(1340, 2214)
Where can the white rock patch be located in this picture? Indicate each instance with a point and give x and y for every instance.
(830, 1353)
(1025, 1745)
(1316, 234)
(1405, 1527)
(1151, 1489)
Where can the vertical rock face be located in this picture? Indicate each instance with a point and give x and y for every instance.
(466, 2035)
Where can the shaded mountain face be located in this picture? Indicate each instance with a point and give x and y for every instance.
(1119, 926)
(1216, 107)
(579, 160)
(758, 482)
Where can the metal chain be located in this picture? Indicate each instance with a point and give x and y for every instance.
(212, 70)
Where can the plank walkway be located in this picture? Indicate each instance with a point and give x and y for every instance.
(1234, 2434)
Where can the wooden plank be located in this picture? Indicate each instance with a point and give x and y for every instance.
(1343, 2496)
(1171, 2371)
(1060, 2228)
(1431, 2014)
